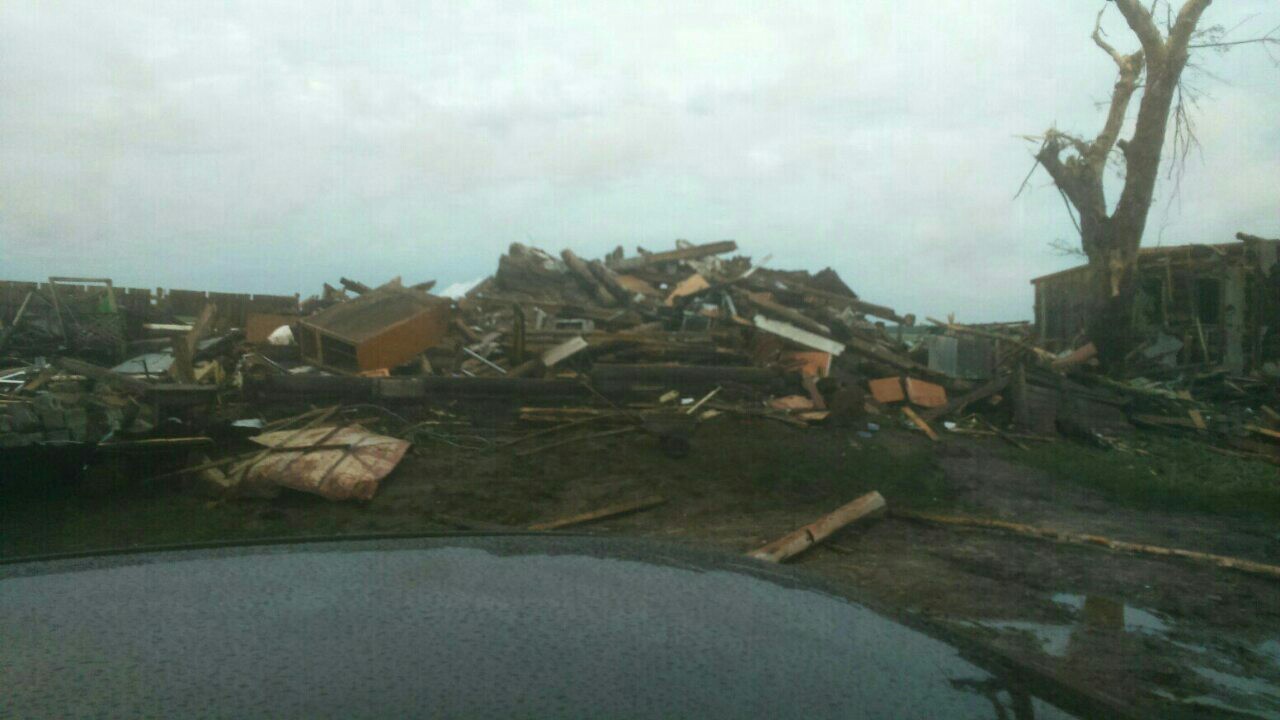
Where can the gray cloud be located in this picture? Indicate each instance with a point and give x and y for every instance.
(272, 146)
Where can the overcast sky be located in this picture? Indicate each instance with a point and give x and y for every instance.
(271, 146)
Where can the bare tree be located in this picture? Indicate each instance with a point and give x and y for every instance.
(1077, 166)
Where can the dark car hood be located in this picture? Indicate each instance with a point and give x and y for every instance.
(524, 626)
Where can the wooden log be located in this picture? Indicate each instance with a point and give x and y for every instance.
(796, 542)
(604, 512)
(586, 278)
(689, 253)
(1224, 561)
(609, 280)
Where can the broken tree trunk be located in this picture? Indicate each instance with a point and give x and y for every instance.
(806, 537)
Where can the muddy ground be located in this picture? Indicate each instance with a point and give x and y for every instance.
(1165, 638)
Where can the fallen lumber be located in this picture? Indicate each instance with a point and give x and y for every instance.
(604, 512)
(681, 377)
(797, 335)
(1265, 432)
(609, 280)
(101, 374)
(559, 428)
(919, 422)
(354, 286)
(957, 405)
(870, 350)
(577, 438)
(586, 278)
(13, 326)
(167, 443)
(1248, 566)
(689, 253)
(862, 306)
(315, 388)
(184, 345)
(815, 532)
(782, 312)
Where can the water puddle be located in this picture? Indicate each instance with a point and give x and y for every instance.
(1092, 612)
(1220, 673)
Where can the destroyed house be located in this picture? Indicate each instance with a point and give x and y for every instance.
(1215, 305)
(382, 328)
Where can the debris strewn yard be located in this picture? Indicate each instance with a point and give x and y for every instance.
(987, 478)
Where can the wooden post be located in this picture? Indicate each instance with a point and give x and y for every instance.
(1021, 410)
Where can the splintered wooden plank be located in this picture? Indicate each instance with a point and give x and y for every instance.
(919, 422)
(798, 541)
(797, 335)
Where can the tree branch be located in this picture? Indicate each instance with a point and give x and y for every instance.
(1142, 24)
(1097, 39)
(1083, 189)
(1185, 25)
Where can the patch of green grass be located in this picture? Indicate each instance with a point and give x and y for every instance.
(905, 474)
(1177, 475)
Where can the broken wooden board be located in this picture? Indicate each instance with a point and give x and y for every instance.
(604, 512)
(563, 351)
(338, 463)
(806, 537)
(692, 252)
(926, 394)
(788, 403)
(634, 284)
(1265, 432)
(987, 390)
(887, 390)
(919, 422)
(691, 285)
(806, 362)
(797, 335)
